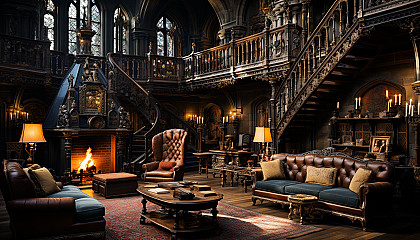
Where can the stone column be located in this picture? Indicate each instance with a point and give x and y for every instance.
(415, 39)
(67, 150)
(141, 38)
(273, 114)
(122, 151)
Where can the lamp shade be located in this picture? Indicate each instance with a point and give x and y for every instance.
(262, 135)
(32, 133)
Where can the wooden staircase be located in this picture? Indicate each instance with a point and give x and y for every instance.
(130, 91)
(330, 57)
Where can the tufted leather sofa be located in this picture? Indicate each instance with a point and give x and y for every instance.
(167, 146)
(67, 214)
(374, 198)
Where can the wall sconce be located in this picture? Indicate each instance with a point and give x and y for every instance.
(31, 135)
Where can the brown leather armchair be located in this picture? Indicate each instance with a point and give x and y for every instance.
(169, 154)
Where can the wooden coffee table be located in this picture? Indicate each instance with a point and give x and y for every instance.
(302, 205)
(176, 216)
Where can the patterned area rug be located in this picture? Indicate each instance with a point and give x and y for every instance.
(123, 222)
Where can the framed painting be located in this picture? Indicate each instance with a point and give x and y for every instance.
(380, 144)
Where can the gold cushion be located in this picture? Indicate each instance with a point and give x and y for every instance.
(44, 182)
(324, 176)
(273, 170)
(361, 176)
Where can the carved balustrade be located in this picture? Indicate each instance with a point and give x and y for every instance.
(25, 53)
(270, 45)
(329, 42)
(60, 62)
(164, 68)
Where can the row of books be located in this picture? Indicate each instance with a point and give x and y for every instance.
(203, 189)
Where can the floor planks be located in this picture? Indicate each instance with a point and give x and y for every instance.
(405, 226)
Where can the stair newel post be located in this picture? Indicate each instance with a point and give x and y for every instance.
(273, 114)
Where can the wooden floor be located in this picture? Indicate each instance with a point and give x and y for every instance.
(406, 224)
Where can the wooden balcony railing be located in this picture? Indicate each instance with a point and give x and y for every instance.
(259, 49)
(24, 53)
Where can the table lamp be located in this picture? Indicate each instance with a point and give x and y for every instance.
(262, 136)
(31, 135)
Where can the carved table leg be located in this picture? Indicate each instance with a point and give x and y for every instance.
(144, 211)
(232, 176)
(223, 178)
(301, 213)
(176, 224)
(214, 213)
(291, 211)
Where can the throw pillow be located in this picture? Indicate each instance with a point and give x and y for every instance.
(273, 170)
(44, 182)
(34, 167)
(361, 176)
(166, 166)
(324, 176)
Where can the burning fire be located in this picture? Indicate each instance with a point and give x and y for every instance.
(87, 162)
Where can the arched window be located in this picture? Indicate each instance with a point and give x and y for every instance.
(78, 13)
(49, 21)
(120, 31)
(165, 41)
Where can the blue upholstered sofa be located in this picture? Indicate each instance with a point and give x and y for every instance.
(373, 199)
(69, 212)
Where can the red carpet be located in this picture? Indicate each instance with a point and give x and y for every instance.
(123, 222)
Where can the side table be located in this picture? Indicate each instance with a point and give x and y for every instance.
(302, 205)
(204, 162)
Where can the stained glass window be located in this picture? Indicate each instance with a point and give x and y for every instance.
(120, 30)
(78, 14)
(96, 26)
(49, 21)
(73, 26)
(165, 39)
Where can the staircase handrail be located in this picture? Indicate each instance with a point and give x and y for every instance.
(152, 101)
(314, 34)
(294, 96)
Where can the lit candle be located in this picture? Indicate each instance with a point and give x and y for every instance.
(198, 119)
(360, 101)
(11, 116)
(412, 110)
(27, 116)
(338, 105)
(395, 99)
(399, 98)
(388, 105)
(386, 94)
(418, 108)
(356, 102)
(202, 120)
(406, 109)
(411, 100)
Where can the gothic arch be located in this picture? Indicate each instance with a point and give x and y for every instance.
(212, 115)
(260, 110)
(373, 97)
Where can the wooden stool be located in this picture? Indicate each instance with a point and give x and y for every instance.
(115, 184)
(302, 205)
